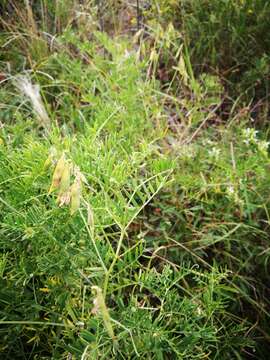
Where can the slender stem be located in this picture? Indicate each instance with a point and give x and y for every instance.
(116, 255)
(7, 322)
(100, 15)
(93, 242)
(138, 15)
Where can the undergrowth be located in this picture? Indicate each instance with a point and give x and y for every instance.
(134, 215)
(224, 37)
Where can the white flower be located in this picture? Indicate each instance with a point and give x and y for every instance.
(263, 147)
(233, 194)
(214, 153)
(230, 190)
(250, 136)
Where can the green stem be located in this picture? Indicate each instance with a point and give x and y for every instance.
(93, 242)
(116, 255)
(3, 322)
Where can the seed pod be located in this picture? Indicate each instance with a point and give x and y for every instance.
(90, 216)
(48, 162)
(100, 307)
(58, 173)
(65, 179)
(75, 196)
(183, 70)
(50, 158)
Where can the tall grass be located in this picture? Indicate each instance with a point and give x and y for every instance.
(225, 37)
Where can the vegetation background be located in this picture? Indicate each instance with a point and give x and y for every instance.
(134, 179)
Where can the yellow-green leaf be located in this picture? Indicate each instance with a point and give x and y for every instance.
(58, 172)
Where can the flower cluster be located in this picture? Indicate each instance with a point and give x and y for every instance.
(250, 138)
(61, 183)
(214, 153)
(232, 193)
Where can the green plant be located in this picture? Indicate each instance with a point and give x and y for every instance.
(135, 223)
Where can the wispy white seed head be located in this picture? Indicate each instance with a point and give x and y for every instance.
(32, 91)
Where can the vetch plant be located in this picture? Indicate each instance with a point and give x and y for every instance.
(67, 194)
(165, 229)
